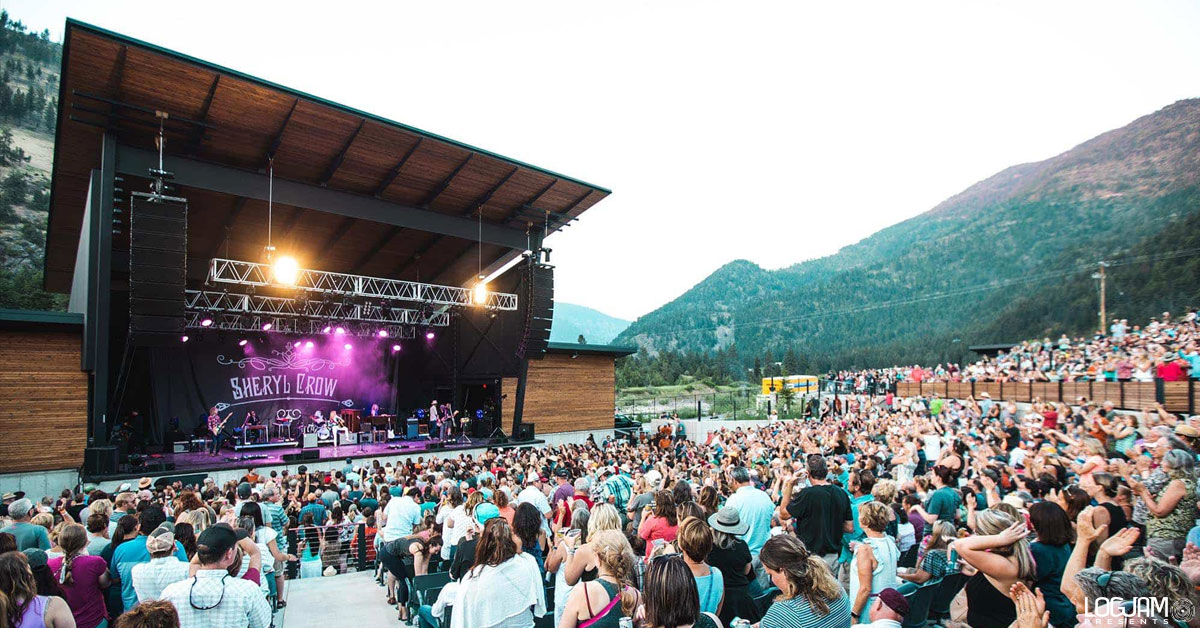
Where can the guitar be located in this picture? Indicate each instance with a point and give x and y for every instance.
(219, 426)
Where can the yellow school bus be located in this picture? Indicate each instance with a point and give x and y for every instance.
(801, 384)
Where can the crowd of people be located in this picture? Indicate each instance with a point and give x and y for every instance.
(1048, 516)
(1166, 348)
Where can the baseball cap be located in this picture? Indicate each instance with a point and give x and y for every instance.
(486, 511)
(161, 539)
(894, 600)
(562, 472)
(36, 557)
(243, 490)
(125, 487)
(218, 538)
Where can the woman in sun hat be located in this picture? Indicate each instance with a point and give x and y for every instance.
(731, 555)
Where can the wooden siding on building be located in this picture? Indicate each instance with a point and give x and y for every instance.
(566, 394)
(43, 401)
(1175, 396)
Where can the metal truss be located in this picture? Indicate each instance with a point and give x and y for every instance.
(242, 273)
(292, 325)
(224, 302)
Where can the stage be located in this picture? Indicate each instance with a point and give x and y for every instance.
(189, 463)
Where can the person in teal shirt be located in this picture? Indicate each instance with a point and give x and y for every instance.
(134, 552)
(755, 508)
(859, 485)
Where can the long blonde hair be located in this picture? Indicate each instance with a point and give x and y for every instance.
(616, 557)
(992, 521)
(604, 517)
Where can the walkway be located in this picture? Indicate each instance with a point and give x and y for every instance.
(348, 600)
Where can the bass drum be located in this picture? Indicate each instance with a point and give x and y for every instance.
(323, 432)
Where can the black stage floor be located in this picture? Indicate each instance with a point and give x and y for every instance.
(199, 462)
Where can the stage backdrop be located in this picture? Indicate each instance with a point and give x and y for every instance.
(275, 377)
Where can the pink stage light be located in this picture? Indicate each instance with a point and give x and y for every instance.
(347, 346)
(266, 327)
(296, 344)
(242, 342)
(327, 329)
(206, 322)
(308, 345)
(184, 339)
(383, 333)
(395, 348)
(429, 335)
(339, 330)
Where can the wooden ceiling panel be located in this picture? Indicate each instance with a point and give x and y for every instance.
(314, 136)
(152, 80)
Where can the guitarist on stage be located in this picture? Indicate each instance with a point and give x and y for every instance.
(435, 424)
(216, 427)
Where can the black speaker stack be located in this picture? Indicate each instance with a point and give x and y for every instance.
(526, 432)
(540, 313)
(157, 273)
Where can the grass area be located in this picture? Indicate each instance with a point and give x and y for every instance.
(689, 388)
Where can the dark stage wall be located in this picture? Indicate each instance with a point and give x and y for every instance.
(270, 375)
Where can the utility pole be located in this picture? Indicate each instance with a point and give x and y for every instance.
(1102, 276)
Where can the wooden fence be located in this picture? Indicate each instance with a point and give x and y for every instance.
(1175, 396)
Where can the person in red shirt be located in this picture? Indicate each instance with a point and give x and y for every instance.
(1172, 371)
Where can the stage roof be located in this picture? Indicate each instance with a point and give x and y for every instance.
(571, 347)
(221, 116)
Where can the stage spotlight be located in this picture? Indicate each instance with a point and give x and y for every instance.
(184, 338)
(266, 327)
(383, 333)
(347, 346)
(339, 330)
(308, 345)
(481, 292)
(243, 342)
(206, 322)
(429, 335)
(296, 344)
(327, 329)
(395, 348)
(286, 270)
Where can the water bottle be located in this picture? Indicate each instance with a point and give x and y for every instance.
(952, 561)
(738, 622)
(625, 622)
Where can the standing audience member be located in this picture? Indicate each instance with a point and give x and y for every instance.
(503, 587)
(27, 534)
(612, 595)
(821, 510)
(83, 578)
(165, 567)
(670, 599)
(212, 597)
(731, 556)
(26, 608)
(136, 551)
(695, 542)
(755, 508)
(809, 594)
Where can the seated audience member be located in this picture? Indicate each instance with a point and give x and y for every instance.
(611, 595)
(809, 595)
(888, 610)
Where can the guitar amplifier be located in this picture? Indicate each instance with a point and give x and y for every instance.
(411, 432)
(310, 440)
(348, 438)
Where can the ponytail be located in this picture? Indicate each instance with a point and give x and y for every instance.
(73, 540)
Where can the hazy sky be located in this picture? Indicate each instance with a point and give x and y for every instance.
(774, 132)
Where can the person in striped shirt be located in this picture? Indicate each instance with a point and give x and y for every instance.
(810, 596)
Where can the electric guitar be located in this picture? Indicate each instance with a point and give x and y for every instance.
(219, 426)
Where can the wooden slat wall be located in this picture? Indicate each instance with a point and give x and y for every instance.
(1175, 396)
(1126, 395)
(43, 401)
(568, 395)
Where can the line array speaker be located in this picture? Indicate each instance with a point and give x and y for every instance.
(157, 272)
(540, 316)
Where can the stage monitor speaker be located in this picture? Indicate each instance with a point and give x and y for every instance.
(526, 432)
(539, 281)
(309, 441)
(347, 438)
(435, 446)
(291, 457)
(310, 454)
(412, 428)
(157, 272)
(190, 479)
(99, 460)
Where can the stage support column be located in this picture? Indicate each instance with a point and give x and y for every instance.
(98, 332)
(519, 404)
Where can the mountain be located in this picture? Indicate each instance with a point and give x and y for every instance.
(571, 321)
(29, 67)
(1008, 258)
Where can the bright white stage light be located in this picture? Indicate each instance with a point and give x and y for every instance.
(481, 293)
(286, 270)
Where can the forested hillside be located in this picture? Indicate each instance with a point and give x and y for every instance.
(29, 67)
(1008, 258)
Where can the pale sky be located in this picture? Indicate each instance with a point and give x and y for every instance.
(770, 131)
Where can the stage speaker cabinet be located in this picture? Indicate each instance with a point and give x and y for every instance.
(157, 272)
(99, 460)
(348, 438)
(526, 432)
(310, 454)
(412, 429)
(540, 285)
(309, 441)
